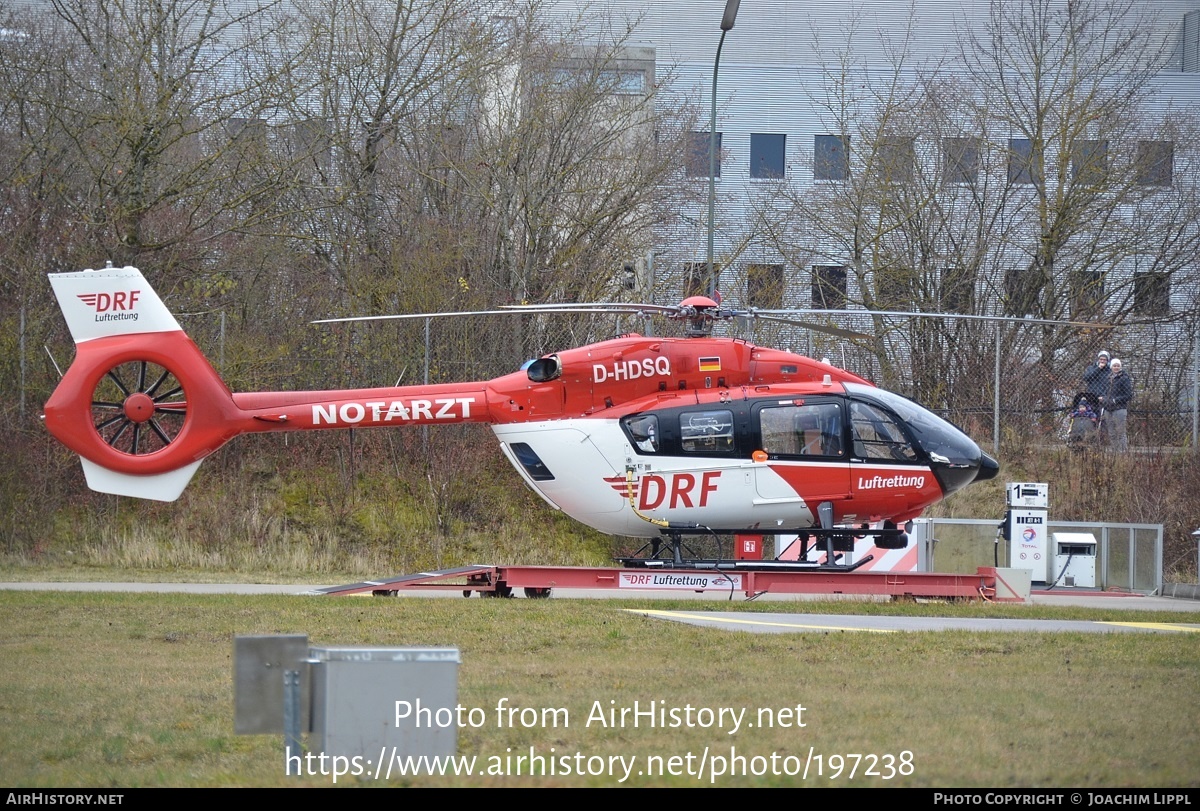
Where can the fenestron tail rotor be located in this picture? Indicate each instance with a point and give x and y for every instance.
(139, 407)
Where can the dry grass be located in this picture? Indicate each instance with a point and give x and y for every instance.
(130, 690)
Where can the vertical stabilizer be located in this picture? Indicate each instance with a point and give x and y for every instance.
(112, 301)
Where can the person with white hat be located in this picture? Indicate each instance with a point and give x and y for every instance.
(1116, 405)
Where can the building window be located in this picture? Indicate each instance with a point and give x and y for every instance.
(960, 160)
(829, 287)
(1155, 163)
(312, 139)
(958, 290)
(764, 286)
(896, 159)
(624, 82)
(894, 287)
(1151, 293)
(829, 158)
(1022, 287)
(696, 281)
(1089, 162)
(766, 155)
(697, 155)
(1024, 165)
(247, 134)
(1087, 293)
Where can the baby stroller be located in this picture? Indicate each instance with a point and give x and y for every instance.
(1084, 420)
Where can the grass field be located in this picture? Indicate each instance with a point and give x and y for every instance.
(127, 690)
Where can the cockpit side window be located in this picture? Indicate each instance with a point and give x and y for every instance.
(813, 429)
(643, 432)
(877, 434)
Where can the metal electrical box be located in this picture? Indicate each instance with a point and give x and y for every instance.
(259, 667)
(384, 702)
(1074, 559)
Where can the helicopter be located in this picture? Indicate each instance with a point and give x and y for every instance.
(649, 437)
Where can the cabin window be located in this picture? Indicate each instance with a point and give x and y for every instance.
(802, 430)
(877, 434)
(643, 432)
(706, 431)
(532, 463)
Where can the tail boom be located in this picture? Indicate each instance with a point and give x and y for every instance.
(142, 406)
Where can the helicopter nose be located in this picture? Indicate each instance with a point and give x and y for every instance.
(956, 473)
(989, 468)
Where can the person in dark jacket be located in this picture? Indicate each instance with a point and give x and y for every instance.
(1116, 405)
(1095, 377)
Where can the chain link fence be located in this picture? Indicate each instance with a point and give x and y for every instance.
(1129, 557)
(998, 380)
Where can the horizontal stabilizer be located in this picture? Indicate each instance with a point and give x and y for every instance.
(156, 487)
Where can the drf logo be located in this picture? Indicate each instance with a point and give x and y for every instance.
(673, 491)
(103, 302)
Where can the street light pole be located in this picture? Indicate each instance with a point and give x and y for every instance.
(731, 10)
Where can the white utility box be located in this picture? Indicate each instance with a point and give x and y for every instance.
(1074, 559)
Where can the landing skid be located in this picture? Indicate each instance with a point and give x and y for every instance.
(671, 549)
(743, 565)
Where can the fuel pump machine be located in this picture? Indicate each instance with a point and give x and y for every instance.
(1024, 528)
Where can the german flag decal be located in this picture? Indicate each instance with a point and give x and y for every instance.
(710, 364)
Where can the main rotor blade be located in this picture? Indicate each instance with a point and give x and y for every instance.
(837, 331)
(409, 315)
(955, 316)
(594, 307)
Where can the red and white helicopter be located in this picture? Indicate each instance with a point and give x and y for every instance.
(650, 437)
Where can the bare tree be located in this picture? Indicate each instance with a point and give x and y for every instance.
(150, 91)
(1031, 176)
(585, 162)
(1068, 95)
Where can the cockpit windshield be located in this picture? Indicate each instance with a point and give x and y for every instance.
(940, 439)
